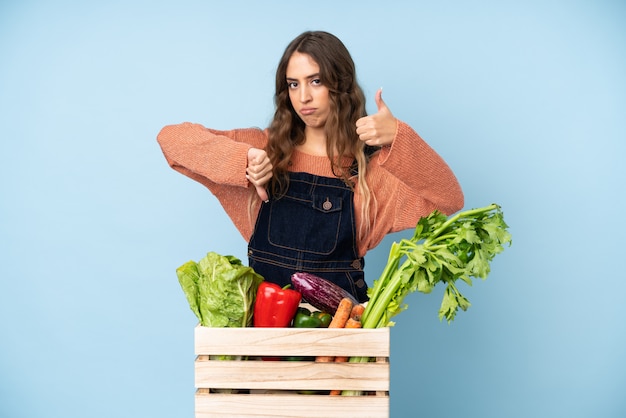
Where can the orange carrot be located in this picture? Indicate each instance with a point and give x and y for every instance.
(339, 321)
(353, 323)
(357, 311)
(342, 314)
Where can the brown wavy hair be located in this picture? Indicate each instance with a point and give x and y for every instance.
(347, 105)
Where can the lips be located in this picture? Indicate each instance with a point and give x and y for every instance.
(307, 111)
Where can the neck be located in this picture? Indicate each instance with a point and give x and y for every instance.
(314, 142)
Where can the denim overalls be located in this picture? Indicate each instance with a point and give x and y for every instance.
(311, 229)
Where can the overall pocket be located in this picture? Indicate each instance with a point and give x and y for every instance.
(308, 223)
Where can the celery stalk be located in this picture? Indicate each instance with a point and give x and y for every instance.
(441, 250)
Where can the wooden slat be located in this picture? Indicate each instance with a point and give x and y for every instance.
(290, 406)
(297, 375)
(292, 341)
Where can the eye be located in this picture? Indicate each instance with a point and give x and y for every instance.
(292, 85)
(316, 82)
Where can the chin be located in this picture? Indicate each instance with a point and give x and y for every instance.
(313, 122)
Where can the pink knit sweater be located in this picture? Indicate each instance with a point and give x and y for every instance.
(408, 179)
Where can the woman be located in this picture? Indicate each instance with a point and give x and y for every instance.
(325, 182)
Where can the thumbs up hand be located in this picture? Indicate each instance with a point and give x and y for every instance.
(380, 128)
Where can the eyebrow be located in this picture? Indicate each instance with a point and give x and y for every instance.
(307, 77)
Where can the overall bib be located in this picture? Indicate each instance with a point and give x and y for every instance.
(311, 229)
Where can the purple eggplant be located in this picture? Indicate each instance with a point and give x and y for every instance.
(320, 293)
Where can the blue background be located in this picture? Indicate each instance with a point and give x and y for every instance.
(525, 100)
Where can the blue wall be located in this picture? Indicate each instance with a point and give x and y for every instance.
(525, 100)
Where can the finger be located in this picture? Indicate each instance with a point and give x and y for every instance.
(262, 193)
(257, 156)
(365, 123)
(257, 163)
(372, 142)
(261, 159)
(259, 172)
(260, 189)
(380, 103)
(367, 132)
(367, 136)
(265, 166)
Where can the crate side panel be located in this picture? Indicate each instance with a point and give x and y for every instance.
(290, 406)
(292, 342)
(299, 375)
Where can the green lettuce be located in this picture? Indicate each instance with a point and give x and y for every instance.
(220, 290)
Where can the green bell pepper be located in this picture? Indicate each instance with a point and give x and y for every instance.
(325, 317)
(304, 319)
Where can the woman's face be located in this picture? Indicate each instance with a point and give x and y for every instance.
(309, 97)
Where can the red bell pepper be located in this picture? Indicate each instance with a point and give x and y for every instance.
(275, 306)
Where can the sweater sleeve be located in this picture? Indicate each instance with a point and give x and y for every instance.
(409, 180)
(218, 160)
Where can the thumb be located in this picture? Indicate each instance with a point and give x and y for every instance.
(260, 190)
(380, 104)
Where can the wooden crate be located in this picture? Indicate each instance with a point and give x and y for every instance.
(274, 388)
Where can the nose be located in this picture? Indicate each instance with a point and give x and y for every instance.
(305, 94)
